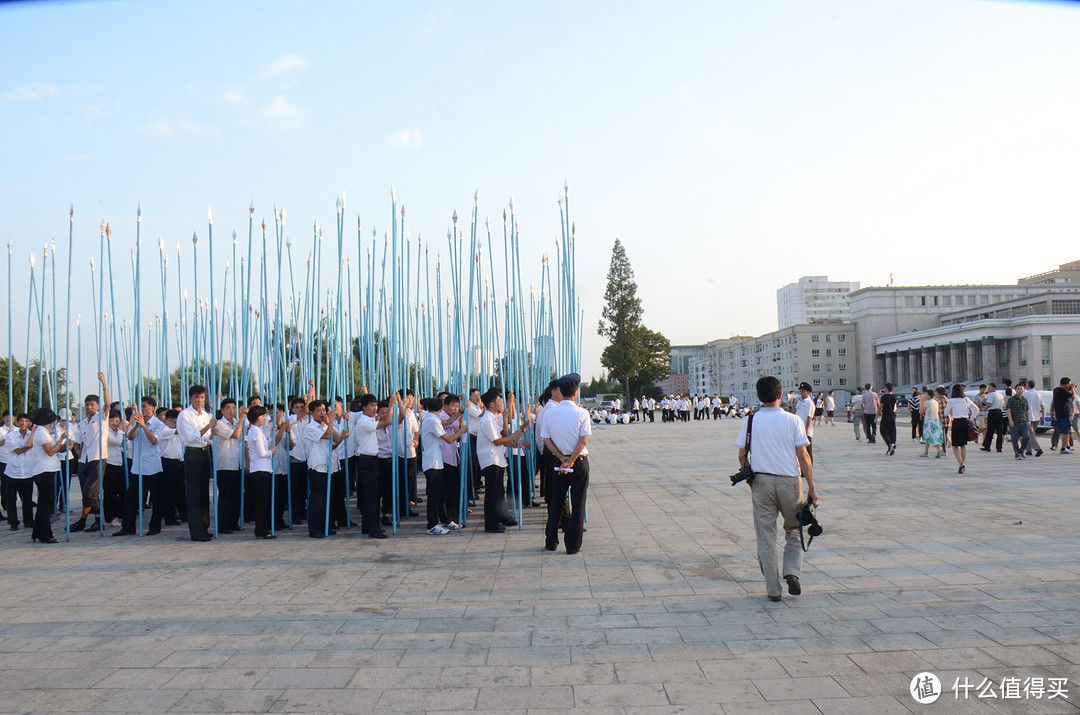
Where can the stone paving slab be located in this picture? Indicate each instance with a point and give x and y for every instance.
(972, 576)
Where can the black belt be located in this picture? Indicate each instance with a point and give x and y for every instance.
(786, 476)
(198, 449)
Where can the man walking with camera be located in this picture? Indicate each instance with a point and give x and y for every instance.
(777, 452)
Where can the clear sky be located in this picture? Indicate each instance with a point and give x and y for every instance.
(731, 146)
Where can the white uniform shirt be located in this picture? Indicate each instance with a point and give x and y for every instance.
(92, 437)
(18, 464)
(362, 432)
(317, 448)
(144, 455)
(281, 452)
(995, 401)
(115, 455)
(37, 462)
(341, 451)
(776, 434)
(260, 459)
(474, 419)
(169, 445)
(487, 452)
(227, 447)
(407, 430)
(431, 432)
(298, 453)
(189, 426)
(565, 425)
(804, 410)
(5, 449)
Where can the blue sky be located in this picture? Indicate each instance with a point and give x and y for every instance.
(731, 146)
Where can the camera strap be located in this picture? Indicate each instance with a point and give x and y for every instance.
(799, 518)
(749, 430)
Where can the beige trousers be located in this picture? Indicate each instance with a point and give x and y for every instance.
(777, 495)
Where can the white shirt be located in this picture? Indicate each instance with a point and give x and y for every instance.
(91, 435)
(487, 452)
(317, 448)
(804, 410)
(37, 462)
(776, 434)
(960, 408)
(830, 403)
(144, 455)
(5, 449)
(1035, 405)
(17, 464)
(362, 433)
(169, 445)
(226, 447)
(564, 425)
(341, 451)
(298, 453)
(431, 432)
(115, 455)
(474, 418)
(189, 426)
(260, 458)
(995, 401)
(407, 429)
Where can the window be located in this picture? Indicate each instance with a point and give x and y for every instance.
(817, 368)
(815, 338)
(817, 382)
(828, 353)
(815, 353)
(828, 338)
(923, 301)
(1045, 345)
(842, 367)
(1046, 382)
(1021, 352)
(842, 338)
(829, 382)
(1003, 355)
(842, 352)
(843, 382)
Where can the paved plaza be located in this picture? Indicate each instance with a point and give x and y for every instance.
(975, 578)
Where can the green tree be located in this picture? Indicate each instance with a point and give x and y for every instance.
(634, 353)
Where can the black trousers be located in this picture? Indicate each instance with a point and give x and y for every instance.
(475, 479)
(248, 492)
(197, 475)
(112, 492)
(45, 483)
(260, 494)
(298, 482)
(318, 485)
(435, 493)
(403, 484)
(916, 424)
(281, 499)
(577, 482)
(174, 491)
(22, 489)
(229, 499)
(133, 502)
(888, 430)
(68, 468)
(7, 496)
(339, 513)
(994, 426)
(550, 496)
(493, 497)
(366, 468)
(452, 492)
(652, 415)
(870, 427)
(386, 486)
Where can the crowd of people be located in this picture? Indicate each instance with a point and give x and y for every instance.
(943, 418)
(280, 467)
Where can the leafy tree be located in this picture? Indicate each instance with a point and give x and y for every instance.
(634, 353)
(26, 397)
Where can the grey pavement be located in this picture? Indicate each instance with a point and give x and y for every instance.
(971, 577)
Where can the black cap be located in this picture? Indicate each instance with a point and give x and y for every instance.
(568, 384)
(806, 386)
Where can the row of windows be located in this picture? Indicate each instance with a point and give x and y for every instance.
(842, 367)
(841, 338)
(840, 352)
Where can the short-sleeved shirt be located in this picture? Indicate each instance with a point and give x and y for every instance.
(226, 447)
(1018, 408)
(37, 461)
(777, 433)
(431, 441)
(317, 448)
(487, 452)
(1062, 403)
(804, 410)
(869, 401)
(1035, 405)
(888, 405)
(146, 456)
(995, 401)
(451, 456)
(565, 424)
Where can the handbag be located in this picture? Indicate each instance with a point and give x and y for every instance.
(973, 433)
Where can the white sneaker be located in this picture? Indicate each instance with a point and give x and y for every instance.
(438, 530)
(115, 522)
(450, 526)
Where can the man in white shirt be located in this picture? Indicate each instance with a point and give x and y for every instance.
(1036, 412)
(475, 409)
(194, 425)
(363, 431)
(321, 437)
(433, 435)
(6, 490)
(491, 453)
(172, 468)
(297, 485)
(146, 431)
(92, 441)
(566, 433)
(995, 422)
(777, 454)
(228, 450)
(804, 410)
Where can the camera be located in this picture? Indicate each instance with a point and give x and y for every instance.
(744, 473)
(808, 519)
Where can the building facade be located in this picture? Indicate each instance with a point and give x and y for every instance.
(813, 299)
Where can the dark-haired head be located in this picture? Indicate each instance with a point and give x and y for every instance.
(255, 412)
(768, 389)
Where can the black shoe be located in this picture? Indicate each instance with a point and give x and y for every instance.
(332, 532)
(386, 521)
(174, 522)
(1039, 453)
(984, 449)
(317, 536)
(268, 536)
(50, 540)
(499, 530)
(793, 586)
(551, 547)
(378, 535)
(571, 553)
(509, 522)
(94, 527)
(282, 525)
(202, 538)
(226, 531)
(123, 532)
(14, 527)
(153, 532)
(77, 525)
(413, 512)
(775, 599)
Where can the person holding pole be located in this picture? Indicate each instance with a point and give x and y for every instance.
(227, 449)
(316, 432)
(491, 453)
(434, 435)
(195, 425)
(364, 425)
(41, 466)
(145, 432)
(260, 461)
(92, 450)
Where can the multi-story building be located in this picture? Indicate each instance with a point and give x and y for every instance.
(705, 367)
(813, 299)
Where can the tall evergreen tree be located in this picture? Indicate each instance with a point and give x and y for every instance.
(634, 353)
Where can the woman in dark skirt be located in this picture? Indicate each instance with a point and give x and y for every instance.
(958, 410)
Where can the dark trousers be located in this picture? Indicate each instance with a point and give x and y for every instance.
(870, 427)
(90, 483)
(550, 496)
(386, 486)
(173, 490)
(916, 425)
(197, 475)
(248, 491)
(652, 415)
(112, 492)
(67, 469)
(318, 485)
(452, 492)
(22, 489)
(435, 493)
(403, 484)
(888, 430)
(493, 497)
(1021, 437)
(260, 495)
(298, 482)
(339, 513)
(474, 474)
(577, 482)
(229, 499)
(281, 499)
(994, 426)
(7, 496)
(366, 468)
(411, 472)
(133, 503)
(45, 483)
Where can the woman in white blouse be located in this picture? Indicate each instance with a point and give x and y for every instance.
(260, 463)
(42, 465)
(961, 413)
